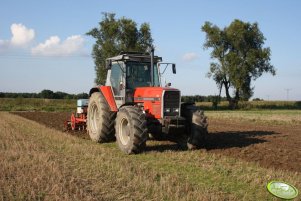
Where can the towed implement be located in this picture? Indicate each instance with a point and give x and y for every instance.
(134, 105)
(78, 120)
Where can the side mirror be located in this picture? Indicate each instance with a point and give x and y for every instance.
(168, 84)
(174, 70)
(108, 64)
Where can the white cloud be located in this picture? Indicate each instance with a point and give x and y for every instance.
(54, 47)
(190, 56)
(21, 35)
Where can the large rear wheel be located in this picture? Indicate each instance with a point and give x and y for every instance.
(131, 129)
(100, 119)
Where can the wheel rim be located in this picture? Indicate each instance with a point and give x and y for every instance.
(94, 118)
(124, 131)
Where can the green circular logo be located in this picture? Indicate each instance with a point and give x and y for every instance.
(282, 190)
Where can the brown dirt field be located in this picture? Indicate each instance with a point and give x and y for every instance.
(271, 146)
(53, 120)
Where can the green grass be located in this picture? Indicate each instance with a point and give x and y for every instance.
(38, 163)
(35, 104)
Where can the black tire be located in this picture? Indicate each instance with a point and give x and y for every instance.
(131, 130)
(100, 119)
(187, 110)
(198, 130)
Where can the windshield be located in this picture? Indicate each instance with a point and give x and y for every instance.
(139, 75)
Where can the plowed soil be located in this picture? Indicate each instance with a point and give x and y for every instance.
(271, 146)
(53, 120)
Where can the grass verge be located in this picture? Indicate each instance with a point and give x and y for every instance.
(38, 163)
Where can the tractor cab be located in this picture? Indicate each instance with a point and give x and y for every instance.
(130, 71)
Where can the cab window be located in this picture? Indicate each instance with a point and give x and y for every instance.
(116, 78)
(139, 75)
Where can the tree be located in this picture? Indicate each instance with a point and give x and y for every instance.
(239, 57)
(46, 93)
(114, 36)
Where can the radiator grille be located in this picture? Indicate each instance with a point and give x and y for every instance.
(171, 103)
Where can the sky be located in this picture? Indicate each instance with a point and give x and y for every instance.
(43, 43)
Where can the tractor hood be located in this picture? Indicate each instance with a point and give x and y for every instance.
(155, 99)
(150, 92)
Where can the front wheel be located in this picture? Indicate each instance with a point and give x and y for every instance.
(131, 129)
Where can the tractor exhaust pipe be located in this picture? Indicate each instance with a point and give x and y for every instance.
(152, 65)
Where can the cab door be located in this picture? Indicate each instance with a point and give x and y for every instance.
(117, 82)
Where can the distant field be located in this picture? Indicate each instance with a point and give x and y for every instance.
(39, 163)
(292, 117)
(253, 105)
(36, 104)
(271, 112)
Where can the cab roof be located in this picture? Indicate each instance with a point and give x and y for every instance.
(134, 56)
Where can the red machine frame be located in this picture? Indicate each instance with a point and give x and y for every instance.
(77, 121)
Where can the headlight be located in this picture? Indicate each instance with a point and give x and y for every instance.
(167, 110)
(176, 110)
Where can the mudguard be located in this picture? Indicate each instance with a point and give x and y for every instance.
(108, 94)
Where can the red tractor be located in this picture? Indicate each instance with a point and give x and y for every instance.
(133, 105)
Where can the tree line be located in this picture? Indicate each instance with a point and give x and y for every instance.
(46, 93)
